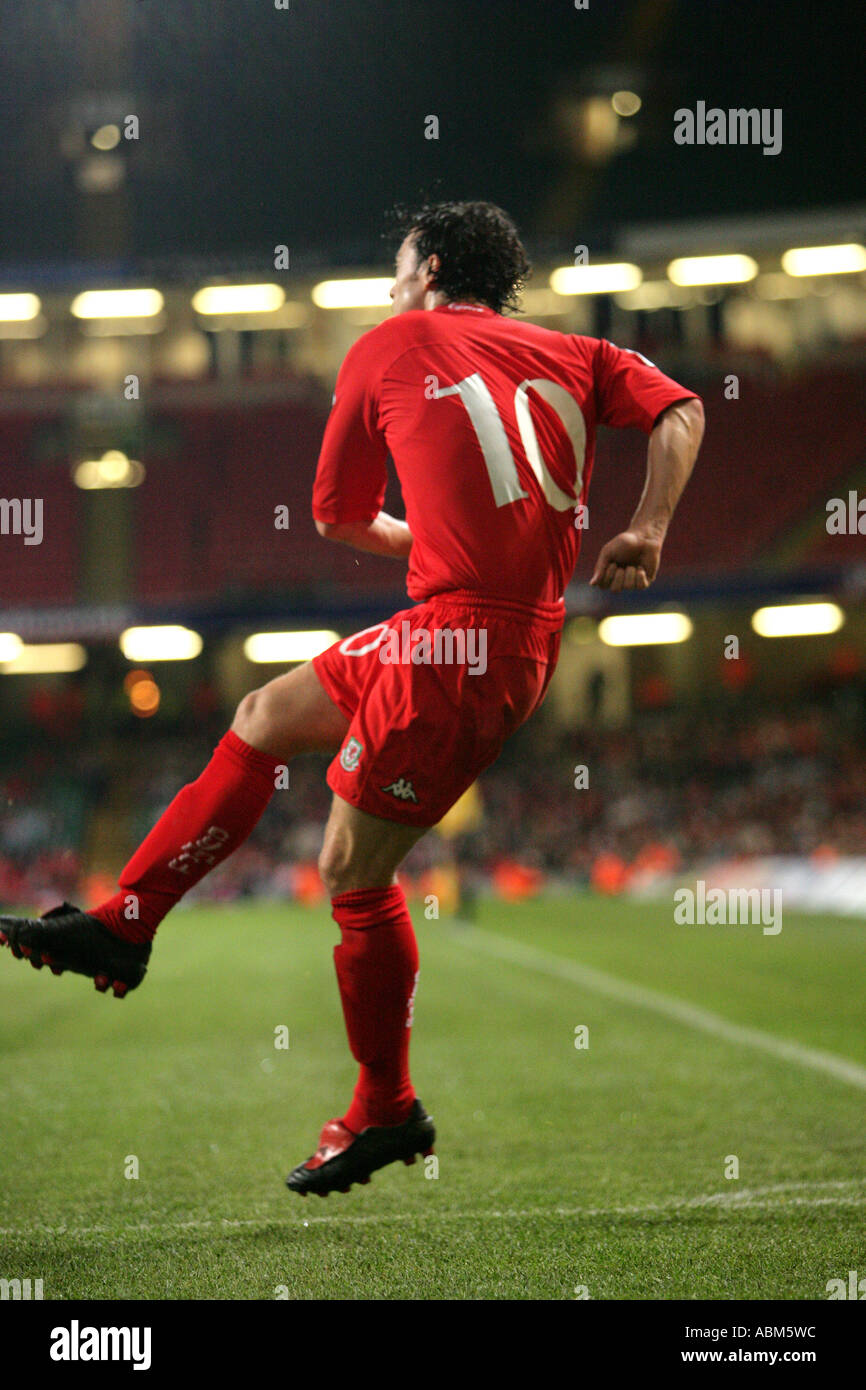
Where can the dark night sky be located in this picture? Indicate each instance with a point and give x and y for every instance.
(261, 125)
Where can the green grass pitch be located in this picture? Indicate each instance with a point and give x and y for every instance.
(562, 1171)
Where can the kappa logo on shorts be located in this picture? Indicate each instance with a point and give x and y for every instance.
(402, 788)
(351, 755)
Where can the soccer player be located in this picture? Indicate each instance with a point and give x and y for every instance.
(491, 424)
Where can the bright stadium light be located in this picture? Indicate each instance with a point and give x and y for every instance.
(45, 659)
(798, 620)
(107, 137)
(114, 469)
(117, 304)
(239, 299)
(170, 643)
(286, 647)
(19, 308)
(596, 279)
(144, 696)
(626, 103)
(825, 260)
(10, 646)
(712, 270)
(644, 629)
(353, 294)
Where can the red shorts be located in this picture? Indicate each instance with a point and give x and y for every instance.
(431, 695)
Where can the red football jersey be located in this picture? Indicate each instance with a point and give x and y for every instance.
(491, 424)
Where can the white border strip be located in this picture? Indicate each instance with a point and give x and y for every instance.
(842, 1193)
(625, 992)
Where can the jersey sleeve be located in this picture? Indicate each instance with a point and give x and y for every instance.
(630, 390)
(352, 470)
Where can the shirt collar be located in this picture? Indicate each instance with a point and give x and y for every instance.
(457, 306)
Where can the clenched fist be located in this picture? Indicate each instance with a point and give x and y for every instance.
(629, 561)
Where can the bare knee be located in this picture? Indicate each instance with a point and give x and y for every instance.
(264, 722)
(336, 869)
(266, 719)
(291, 714)
(255, 721)
(332, 868)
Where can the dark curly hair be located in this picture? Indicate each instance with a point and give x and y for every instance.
(478, 244)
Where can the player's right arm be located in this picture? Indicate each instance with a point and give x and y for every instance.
(352, 470)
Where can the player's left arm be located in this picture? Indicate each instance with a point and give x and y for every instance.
(631, 559)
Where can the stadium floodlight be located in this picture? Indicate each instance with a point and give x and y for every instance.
(114, 469)
(19, 308)
(825, 260)
(371, 293)
(45, 659)
(117, 304)
(107, 137)
(798, 620)
(712, 270)
(144, 696)
(596, 279)
(10, 646)
(169, 643)
(239, 299)
(644, 629)
(626, 103)
(286, 647)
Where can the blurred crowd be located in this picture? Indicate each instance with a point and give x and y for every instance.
(677, 788)
(682, 788)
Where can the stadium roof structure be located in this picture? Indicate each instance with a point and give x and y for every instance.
(255, 125)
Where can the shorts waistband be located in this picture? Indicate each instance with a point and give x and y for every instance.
(548, 614)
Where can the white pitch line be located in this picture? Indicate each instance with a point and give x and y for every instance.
(845, 1193)
(718, 1200)
(625, 992)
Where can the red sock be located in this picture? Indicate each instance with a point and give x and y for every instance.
(377, 971)
(204, 824)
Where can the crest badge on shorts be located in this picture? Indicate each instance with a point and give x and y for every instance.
(351, 755)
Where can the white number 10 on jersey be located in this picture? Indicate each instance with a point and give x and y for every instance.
(498, 458)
